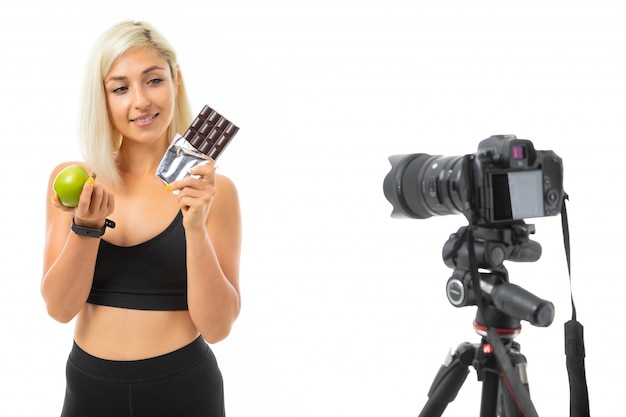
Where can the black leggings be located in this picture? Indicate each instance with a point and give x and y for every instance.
(186, 382)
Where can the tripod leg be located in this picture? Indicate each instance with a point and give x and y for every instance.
(489, 395)
(497, 399)
(509, 406)
(512, 374)
(449, 380)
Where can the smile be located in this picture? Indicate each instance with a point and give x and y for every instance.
(144, 119)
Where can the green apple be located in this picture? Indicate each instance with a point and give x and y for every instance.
(69, 183)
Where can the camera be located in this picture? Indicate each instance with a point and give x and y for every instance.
(506, 180)
(496, 188)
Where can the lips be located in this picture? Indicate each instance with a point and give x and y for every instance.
(144, 118)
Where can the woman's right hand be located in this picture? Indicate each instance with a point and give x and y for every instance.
(95, 204)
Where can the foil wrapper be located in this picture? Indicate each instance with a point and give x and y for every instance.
(179, 160)
(204, 141)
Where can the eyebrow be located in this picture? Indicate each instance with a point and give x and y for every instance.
(144, 72)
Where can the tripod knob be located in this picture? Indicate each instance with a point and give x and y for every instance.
(456, 292)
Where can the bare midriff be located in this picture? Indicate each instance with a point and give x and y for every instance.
(124, 334)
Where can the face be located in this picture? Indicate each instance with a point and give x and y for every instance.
(140, 94)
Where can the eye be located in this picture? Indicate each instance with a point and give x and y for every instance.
(119, 90)
(155, 81)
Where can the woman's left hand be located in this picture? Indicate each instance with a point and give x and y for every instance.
(196, 194)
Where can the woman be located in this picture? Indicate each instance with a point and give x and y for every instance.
(149, 293)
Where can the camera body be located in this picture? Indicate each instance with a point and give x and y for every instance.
(506, 180)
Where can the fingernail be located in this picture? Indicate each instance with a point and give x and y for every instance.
(168, 187)
(91, 180)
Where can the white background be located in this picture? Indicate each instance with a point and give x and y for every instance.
(344, 309)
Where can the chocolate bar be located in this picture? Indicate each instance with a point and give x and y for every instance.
(210, 132)
(205, 139)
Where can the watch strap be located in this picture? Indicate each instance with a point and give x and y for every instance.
(90, 231)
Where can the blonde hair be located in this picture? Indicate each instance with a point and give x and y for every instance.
(98, 139)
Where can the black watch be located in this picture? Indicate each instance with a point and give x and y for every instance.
(90, 231)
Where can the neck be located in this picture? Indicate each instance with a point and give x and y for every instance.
(138, 159)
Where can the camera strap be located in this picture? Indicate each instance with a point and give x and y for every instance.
(574, 342)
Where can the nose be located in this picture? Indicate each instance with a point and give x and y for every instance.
(141, 99)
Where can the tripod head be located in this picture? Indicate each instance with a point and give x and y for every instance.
(476, 254)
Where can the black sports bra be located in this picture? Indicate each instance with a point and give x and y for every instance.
(149, 276)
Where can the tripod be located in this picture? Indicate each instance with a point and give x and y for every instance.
(497, 359)
(495, 401)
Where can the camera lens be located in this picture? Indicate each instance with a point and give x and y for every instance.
(420, 185)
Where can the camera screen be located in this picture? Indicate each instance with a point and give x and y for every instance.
(517, 195)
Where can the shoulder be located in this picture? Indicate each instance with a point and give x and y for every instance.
(226, 188)
(222, 181)
(227, 197)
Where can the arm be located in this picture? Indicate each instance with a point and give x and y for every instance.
(213, 232)
(69, 259)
